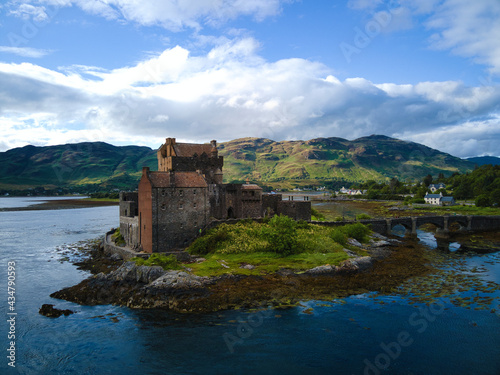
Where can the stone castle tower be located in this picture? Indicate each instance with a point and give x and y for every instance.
(176, 203)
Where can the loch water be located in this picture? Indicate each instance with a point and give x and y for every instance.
(363, 334)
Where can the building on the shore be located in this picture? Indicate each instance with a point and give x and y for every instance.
(435, 187)
(439, 199)
(179, 201)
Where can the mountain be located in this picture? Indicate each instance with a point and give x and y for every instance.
(74, 164)
(369, 158)
(285, 163)
(483, 160)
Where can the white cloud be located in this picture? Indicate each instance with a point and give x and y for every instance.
(172, 14)
(232, 92)
(466, 28)
(28, 11)
(470, 29)
(25, 51)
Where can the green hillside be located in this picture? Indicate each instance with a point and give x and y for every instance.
(324, 159)
(284, 164)
(95, 163)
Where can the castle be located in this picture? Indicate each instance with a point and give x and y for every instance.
(178, 202)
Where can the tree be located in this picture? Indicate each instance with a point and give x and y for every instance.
(427, 180)
(483, 201)
(495, 197)
(282, 235)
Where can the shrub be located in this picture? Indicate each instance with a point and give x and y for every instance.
(210, 241)
(168, 262)
(357, 231)
(282, 235)
(339, 236)
(316, 215)
(363, 217)
(483, 201)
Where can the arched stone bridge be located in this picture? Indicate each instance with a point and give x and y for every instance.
(411, 224)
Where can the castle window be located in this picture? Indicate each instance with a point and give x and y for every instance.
(180, 193)
(194, 191)
(162, 192)
(163, 207)
(180, 207)
(194, 205)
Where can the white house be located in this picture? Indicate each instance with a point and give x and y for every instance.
(436, 187)
(439, 199)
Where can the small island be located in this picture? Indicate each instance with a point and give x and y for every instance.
(192, 244)
(187, 242)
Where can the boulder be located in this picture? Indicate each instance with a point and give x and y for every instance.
(178, 280)
(131, 272)
(322, 270)
(51, 312)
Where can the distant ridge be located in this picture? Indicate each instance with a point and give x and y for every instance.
(483, 160)
(286, 163)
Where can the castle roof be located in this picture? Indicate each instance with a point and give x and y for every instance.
(250, 187)
(177, 179)
(189, 149)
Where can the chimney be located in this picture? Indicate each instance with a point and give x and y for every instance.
(145, 170)
(214, 152)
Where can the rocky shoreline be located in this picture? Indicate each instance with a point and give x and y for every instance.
(389, 263)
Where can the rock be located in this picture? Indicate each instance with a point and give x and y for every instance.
(115, 257)
(363, 263)
(131, 272)
(379, 236)
(223, 263)
(178, 280)
(322, 270)
(348, 266)
(199, 260)
(247, 266)
(350, 253)
(354, 242)
(380, 243)
(51, 312)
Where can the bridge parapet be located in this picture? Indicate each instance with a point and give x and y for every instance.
(411, 224)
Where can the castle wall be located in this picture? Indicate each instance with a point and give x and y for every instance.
(270, 204)
(179, 214)
(145, 214)
(129, 204)
(295, 210)
(251, 203)
(129, 229)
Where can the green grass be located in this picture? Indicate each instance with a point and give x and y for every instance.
(265, 263)
(118, 238)
(279, 243)
(461, 210)
(168, 262)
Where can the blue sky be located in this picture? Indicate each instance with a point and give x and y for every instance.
(135, 72)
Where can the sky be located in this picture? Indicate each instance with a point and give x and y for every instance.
(139, 71)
